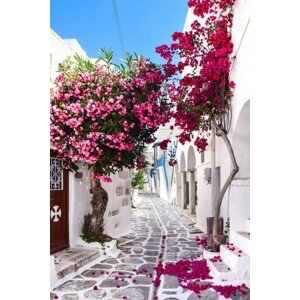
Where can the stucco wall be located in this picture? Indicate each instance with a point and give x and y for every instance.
(239, 207)
(79, 203)
(117, 217)
(203, 208)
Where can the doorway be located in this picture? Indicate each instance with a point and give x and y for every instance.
(59, 204)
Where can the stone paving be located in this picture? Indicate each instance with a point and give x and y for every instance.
(159, 232)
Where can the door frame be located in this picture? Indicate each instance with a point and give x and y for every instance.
(53, 153)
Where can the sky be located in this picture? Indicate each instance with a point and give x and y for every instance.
(145, 24)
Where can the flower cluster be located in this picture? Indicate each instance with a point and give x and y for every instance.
(204, 92)
(172, 162)
(230, 290)
(232, 248)
(216, 259)
(200, 143)
(184, 270)
(103, 178)
(104, 115)
(164, 144)
(202, 241)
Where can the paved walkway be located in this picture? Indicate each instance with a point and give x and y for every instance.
(159, 232)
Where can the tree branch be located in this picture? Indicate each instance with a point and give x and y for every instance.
(235, 170)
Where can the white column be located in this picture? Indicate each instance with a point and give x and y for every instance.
(192, 195)
(183, 189)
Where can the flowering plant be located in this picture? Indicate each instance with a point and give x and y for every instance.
(138, 179)
(204, 91)
(203, 94)
(104, 114)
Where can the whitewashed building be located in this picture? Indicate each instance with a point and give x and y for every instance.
(70, 194)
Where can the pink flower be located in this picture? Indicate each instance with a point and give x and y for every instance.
(164, 144)
(103, 178)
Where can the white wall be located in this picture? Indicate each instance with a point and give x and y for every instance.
(79, 203)
(117, 217)
(239, 207)
(203, 208)
(239, 194)
(60, 49)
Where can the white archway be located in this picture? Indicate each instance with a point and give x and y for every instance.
(184, 191)
(191, 159)
(182, 164)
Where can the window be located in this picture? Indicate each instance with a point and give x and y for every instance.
(56, 174)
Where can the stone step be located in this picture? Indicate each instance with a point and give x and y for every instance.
(234, 257)
(242, 241)
(70, 260)
(221, 271)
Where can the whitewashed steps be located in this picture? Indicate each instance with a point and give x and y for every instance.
(221, 271)
(242, 241)
(237, 260)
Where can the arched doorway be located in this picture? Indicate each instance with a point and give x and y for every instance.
(184, 184)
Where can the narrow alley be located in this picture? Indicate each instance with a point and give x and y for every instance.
(152, 221)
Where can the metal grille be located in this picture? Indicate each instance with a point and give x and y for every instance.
(56, 174)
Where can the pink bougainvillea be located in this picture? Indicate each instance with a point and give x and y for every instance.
(184, 270)
(164, 144)
(104, 115)
(200, 143)
(202, 241)
(205, 51)
(230, 290)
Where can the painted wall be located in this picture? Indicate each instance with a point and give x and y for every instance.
(117, 217)
(79, 203)
(60, 49)
(239, 207)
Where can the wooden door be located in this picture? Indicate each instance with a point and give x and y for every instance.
(59, 205)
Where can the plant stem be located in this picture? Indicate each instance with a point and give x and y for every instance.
(227, 183)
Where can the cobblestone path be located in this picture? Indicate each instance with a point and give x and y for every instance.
(159, 232)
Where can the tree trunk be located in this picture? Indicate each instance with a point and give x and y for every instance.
(216, 243)
(94, 223)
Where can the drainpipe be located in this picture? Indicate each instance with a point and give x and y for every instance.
(213, 171)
